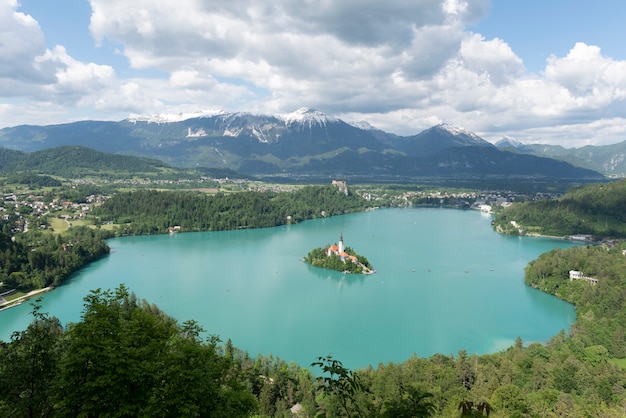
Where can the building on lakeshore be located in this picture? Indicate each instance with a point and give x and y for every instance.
(578, 275)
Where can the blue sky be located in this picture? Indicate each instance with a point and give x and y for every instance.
(536, 71)
(536, 29)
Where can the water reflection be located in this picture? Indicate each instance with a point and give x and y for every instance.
(336, 276)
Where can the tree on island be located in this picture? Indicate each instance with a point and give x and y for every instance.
(340, 258)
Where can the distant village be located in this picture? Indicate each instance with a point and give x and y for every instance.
(26, 208)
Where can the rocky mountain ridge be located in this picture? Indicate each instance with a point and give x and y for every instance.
(305, 142)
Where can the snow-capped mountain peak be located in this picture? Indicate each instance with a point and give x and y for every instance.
(453, 130)
(508, 142)
(459, 132)
(306, 116)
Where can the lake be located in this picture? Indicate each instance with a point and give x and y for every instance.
(445, 281)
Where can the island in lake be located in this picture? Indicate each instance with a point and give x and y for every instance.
(339, 257)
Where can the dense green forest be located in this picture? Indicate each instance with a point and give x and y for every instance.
(40, 259)
(76, 161)
(597, 209)
(154, 212)
(124, 358)
(601, 308)
(318, 258)
(34, 181)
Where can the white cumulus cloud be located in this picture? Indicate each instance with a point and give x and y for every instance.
(402, 66)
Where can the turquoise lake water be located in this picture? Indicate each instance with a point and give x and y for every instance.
(445, 281)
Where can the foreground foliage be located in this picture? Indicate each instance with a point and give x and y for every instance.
(127, 358)
(124, 358)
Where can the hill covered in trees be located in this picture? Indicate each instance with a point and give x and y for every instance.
(40, 259)
(76, 161)
(600, 308)
(597, 209)
(154, 212)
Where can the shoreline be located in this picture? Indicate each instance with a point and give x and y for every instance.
(22, 299)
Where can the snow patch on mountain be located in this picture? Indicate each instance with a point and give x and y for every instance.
(260, 135)
(306, 116)
(196, 134)
(508, 142)
(456, 131)
(175, 117)
(366, 126)
(234, 132)
(461, 133)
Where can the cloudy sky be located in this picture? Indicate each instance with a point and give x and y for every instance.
(537, 71)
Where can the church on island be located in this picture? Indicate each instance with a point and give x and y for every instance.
(339, 257)
(340, 250)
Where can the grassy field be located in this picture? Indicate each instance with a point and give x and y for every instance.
(59, 225)
(619, 361)
(14, 296)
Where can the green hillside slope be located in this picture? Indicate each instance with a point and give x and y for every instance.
(596, 209)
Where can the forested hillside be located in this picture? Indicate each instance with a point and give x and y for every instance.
(597, 209)
(33, 181)
(600, 308)
(76, 161)
(40, 259)
(153, 212)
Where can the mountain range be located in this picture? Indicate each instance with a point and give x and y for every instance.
(609, 160)
(303, 143)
